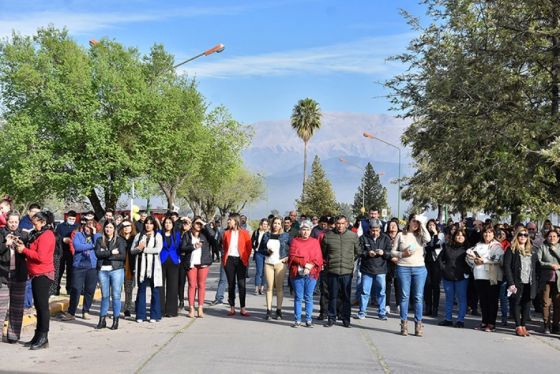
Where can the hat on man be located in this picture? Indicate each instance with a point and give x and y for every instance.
(374, 223)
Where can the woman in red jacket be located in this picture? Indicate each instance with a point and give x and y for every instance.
(237, 250)
(40, 266)
(305, 261)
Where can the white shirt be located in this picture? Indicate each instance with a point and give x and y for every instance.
(233, 249)
(197, 253)
(274, 246)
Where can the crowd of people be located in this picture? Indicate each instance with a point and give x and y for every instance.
(480, 265)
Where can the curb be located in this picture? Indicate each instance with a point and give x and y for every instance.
(55, 307)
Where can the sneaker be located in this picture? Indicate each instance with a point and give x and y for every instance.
(329, 323)
(459, 324)
(86, 316)
(360, 316)
(216, 302)
(445, 323)
(139, 321)
(67, 317)
(126, 314)
(296, 324)
(387, 309)
(153, 321)
(383, 318)
(309, 324)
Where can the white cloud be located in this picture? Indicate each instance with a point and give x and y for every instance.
(364, 56)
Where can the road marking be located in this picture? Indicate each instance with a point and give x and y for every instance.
(376, 352)
(177, 332)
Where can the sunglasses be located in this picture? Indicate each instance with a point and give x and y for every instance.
(186, 223)
(523, 234)
(126, 226)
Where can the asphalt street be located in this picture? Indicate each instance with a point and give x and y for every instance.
(221, 344)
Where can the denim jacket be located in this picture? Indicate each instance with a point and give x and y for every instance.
(284, 240)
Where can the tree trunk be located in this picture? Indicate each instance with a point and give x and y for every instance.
(96, 204)
(304, 165)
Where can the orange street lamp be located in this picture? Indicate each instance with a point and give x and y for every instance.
(218, 48)
(371, 136)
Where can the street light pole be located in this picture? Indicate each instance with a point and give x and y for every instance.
(371, 136)
(218, 48)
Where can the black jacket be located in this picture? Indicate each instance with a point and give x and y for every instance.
(430, 254)
(117, 261)
(187, 248)
(512, 270)
(452, 262)
(378, 263)
(21, 264)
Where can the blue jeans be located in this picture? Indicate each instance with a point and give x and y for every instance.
(28, 300)
(111, 285)
(379, 289)
(504, 302)
(155, 307)
(303, 288)
(83, 280)
(412, 277)
(259, 265)
(455, 289)
(222, 284)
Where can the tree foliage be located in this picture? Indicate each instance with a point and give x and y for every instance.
(318, 197)
(371, 193)
(481, 86)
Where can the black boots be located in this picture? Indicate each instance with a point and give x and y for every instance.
(41, 342)
(102, 323)
(115, 325)
(268, 315)
(278, 314)
(32, 341)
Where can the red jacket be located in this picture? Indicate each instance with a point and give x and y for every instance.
(304, 252)
(243, 244)
(40, 254)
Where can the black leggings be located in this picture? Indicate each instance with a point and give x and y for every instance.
(40, 287)
(235, 268)
(522, 304)
(488, 295)
(432, 286)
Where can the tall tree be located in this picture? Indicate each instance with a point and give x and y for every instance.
(371, 193)
(318, 197)
(306, 118)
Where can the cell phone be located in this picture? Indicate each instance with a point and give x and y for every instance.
(476, 254)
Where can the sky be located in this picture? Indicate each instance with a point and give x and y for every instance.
(276, 51)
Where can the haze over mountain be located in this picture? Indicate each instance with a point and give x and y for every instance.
(277, 154)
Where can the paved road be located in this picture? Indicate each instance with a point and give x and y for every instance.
(221, 344)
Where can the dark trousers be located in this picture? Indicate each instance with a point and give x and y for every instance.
(488, 295)
(432, 286)
(391, 281)
(343, 284)
(235, 269)
(169, 290)
(182, 281)
(522, 304)
(472, 295)
(66, 264)
(324, 289)
(84, 280)
(40, 287)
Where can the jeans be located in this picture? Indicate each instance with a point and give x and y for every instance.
(358, 273)
(504, 302)
(343, 284)
(379, 289)
(28, 301)
(84, 280)
(222, 283)
(155, 307)
(303, 288)
(455, 289)
(412, 277)
(111, 285)
(259, 265)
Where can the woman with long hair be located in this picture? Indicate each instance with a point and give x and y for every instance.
(259, 257)
(147, 246)
(455, 273)
(186, 225)
(170, 260)
(110, 250)
(274, 247)
(485, 259)
(433, 280)
(39, 253)
(520, 270)
(549, 283)
(237, 250)
(128, 232)
(411, 270)
(198, 250)
(391, 280)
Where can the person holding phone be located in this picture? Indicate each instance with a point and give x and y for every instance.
(520, 269)
(408, 248)
(549, 281)
(198, 250)
(485, 260)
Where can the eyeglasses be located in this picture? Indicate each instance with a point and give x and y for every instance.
(523, 234)
(186, 223)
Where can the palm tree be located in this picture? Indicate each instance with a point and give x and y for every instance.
(306, 118)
